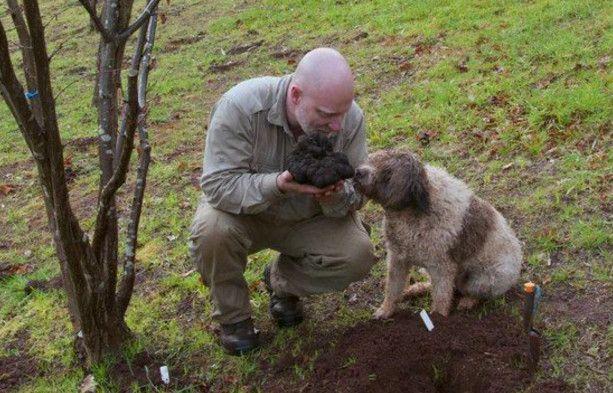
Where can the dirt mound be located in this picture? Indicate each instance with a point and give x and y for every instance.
(462, 354)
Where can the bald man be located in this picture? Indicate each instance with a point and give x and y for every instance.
(250, 201)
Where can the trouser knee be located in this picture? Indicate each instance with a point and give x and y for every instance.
(358, 263)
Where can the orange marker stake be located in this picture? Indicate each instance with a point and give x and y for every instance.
(534, 338)
(528, 305)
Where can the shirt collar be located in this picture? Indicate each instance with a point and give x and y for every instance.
(277, 113)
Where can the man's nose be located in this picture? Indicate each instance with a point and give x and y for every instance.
(335, 125)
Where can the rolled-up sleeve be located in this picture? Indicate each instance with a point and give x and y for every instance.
(349, 199)
(228, 181)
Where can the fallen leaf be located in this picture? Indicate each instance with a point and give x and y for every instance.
(462, 66)
(235, 50)
(6, 189)
(188, 273)
(285, 53)
(12, 270)
(405, 65)
(357, 37)
(604, 61)
(425, 137)
(182, 166)
(224, 66)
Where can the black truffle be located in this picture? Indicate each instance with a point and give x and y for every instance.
(315, 162)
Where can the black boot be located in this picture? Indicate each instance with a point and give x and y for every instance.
(240, 337)
(285, 310)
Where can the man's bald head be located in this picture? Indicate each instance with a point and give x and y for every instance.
(324, 70)
(321, 92)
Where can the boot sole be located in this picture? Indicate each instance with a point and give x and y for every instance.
(289, 321)
(241, 350)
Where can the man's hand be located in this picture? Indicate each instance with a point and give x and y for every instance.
(286, 184)
(329, 196)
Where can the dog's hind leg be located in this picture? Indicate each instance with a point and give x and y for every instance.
(418, 288)
(442, 287)
(463, 284)
(397, 271)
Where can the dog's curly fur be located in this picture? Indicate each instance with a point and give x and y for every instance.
(433, 220)
(315, 162)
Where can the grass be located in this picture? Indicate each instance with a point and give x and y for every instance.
(517, 95)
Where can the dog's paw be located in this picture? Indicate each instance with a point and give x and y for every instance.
(467, 303)
(383, 313)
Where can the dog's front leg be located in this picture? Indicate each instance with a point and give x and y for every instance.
(442, 288)
(397, 271)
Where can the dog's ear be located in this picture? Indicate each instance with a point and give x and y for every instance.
(408, 185)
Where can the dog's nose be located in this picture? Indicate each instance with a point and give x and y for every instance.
(359, 173)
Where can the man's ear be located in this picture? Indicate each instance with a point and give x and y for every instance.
(295, 94)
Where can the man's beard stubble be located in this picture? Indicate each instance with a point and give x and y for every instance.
(306, 127)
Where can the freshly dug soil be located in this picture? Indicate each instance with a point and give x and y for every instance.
(462, 354)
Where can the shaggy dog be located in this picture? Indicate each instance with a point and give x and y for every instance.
(314, 162)
(433, 220)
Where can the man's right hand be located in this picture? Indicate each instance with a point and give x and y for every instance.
(286, 184)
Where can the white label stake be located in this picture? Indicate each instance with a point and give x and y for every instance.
(164, 374)
(427, 321)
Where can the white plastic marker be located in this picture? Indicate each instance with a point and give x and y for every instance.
(164, 374)
(427, 321)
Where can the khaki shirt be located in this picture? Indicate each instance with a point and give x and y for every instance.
(247, 146)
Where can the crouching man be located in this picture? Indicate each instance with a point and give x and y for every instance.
(250, 203)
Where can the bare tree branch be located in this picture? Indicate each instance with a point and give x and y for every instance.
(146, 62)
(14, 95)
(64, 88)
(28, 56)
(68, 226)
(124, 293)
(41, 63)
(107, 35)
(94, 4)
(127, 282)
(138, 53)
(59, 47)
(119, 174)
(142, 18)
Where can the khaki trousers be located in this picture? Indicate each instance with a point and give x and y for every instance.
(318, 255)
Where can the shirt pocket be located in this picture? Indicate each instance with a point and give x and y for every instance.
(267, 148)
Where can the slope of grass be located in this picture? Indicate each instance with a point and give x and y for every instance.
(515, 95)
